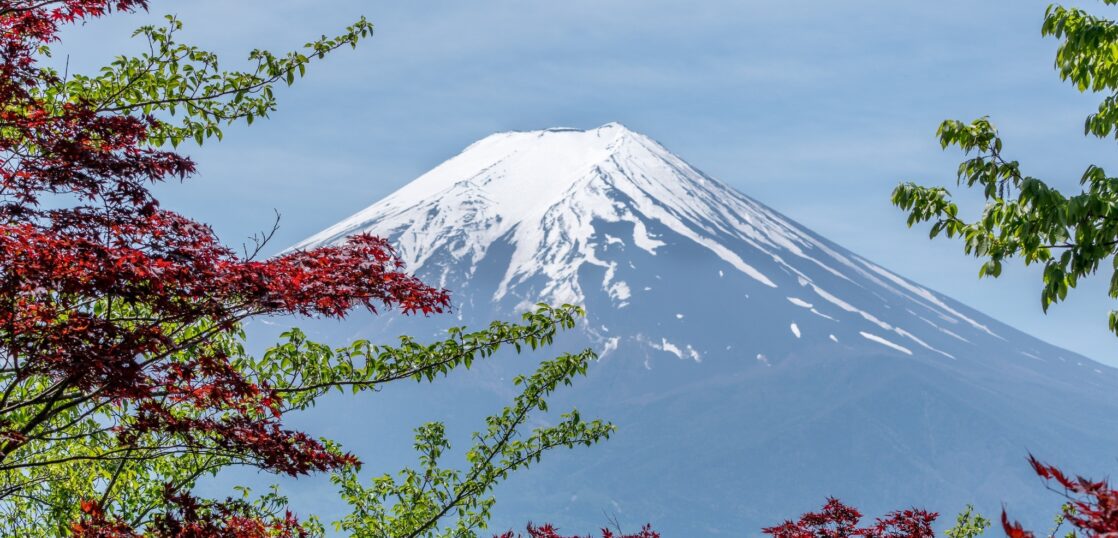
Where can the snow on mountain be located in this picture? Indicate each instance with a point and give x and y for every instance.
(542, 193)
(753, 366)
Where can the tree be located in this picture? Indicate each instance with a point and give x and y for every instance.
(549, 531)
(1092, 508)
(968, 524)
(302, 371)
(1071, 235)
(838, 520)
(123, 377)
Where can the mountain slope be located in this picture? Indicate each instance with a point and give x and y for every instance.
(753, 366)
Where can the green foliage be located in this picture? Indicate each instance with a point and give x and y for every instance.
(1086, 58)
(46, 481)
(87, 461)
(968, 524)
(1070, 235)
(413, 504)
(175, 80)
(1068, 509)
(309, 370)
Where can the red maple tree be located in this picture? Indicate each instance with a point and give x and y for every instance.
(549, 531)
(1092, 510)
(190, 518)
(99, 284)
(838, 520)
(1093, 503)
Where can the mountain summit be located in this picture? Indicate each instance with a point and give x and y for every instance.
(548, 201)
(540, 191)
(752, 366)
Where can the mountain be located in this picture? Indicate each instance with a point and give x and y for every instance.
(752, 366)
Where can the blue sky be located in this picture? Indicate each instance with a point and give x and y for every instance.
(815, 108)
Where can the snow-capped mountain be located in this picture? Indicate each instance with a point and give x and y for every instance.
(752, 366)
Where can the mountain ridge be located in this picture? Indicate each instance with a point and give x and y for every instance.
(480, 198)
(796, 362)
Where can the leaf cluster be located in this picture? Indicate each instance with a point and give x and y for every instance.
(968, 524)
(51, 477)
(414, 503)
(186, 87)
(1071, 236)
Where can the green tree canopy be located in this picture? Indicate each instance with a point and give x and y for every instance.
(1071, 235)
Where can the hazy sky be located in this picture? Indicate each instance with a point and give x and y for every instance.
(815, 108)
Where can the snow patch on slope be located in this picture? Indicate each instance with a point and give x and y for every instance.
(875, 338)
(686, 351)
(799, 302)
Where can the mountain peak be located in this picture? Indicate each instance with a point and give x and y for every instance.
(553, 204)
(712, 312)
(568, 144)
(612, 126)
(542, 191)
